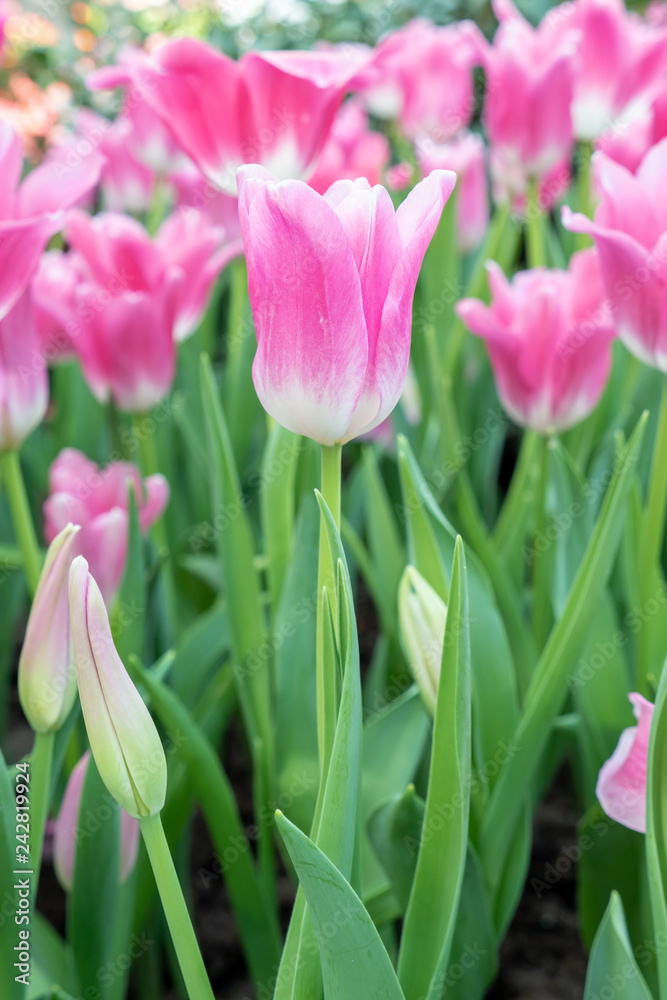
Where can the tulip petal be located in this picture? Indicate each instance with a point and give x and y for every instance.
(621, 786)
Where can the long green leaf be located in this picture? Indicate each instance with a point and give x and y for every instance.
(612, 968)
(8, 881)
(548, 688)
(355, 964)
(276, 486)
(431, 916)
(656, 825)
(334, 827)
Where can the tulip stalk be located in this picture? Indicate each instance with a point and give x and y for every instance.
(326, 576)
(535, 246)
(541, 616)
(22, 519)
(41, 762)
(652, 536)
(175, 909)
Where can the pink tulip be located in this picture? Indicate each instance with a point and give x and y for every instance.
(621, 787)
(399, 176)
(466, 156)
(126, 183)
(619, 62)
(351, 151)
(630, 230)
(150, 140)
(24, 384)
(193, 190)
(422, 75)
(123, 739)
(54, 299)
(277, 110)
(527, 110)
(97, 500)
(628, 142)
(46, 680)
(548, 335)
(66, 831)
(331, 281)
(31, 212)
(190, 243)
(126, 312)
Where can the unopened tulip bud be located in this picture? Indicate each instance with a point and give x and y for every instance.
(47, 681)
(66, 828)
(122, 735)
(423, 616)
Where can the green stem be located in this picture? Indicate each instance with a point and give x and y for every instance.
(40, 789)
(176, 912)
(585, 152)
(150, 465)
(541, 604)
(535, 247)
(22, 518)
(652, 537)
(326, 578)
(158, 205)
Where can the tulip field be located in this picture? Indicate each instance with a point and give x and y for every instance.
(333, 491)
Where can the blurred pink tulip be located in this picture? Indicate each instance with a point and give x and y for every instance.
(278, 107)
(97, 500)
(24, 383)
(466, 156)
(54, 300)
(548, 335)
(331, 281)
(31, 212)
(188, 241)
(66, 830)
(630, 231)
(621, 787)
(126, 183)
(127, 310)
(150, 139)
(351, 151)
(628, 142)
(618, 62)
(422, 75)
(527, 111)
(399, 176)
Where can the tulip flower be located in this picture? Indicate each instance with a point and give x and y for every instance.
(189, 242)
(619, 63)
(122, 735)
(621, 786)
(54, 301)
(331, 281)
(548, 334)
(66, 831)
(351, 151)
(422, 75)
(629, 231)
(466, 156)
(278, 108)
(97, 500)
(423, 617)
(46, 680)
(527, 116)
(126, 183)
(30, 213)
(24, 384)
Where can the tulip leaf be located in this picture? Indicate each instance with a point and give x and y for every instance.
(276, 489)
(548, 688)
(384, 542)
(257, 924)
(612, 967)
(8, 891)
(236, 549)
(295, 627)
(334, 828)
(355, 964)
(395, 832)
(52, 960)
(129, 610)
(93, 901)
(494, 680)
(429, 923)
(474, 954)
